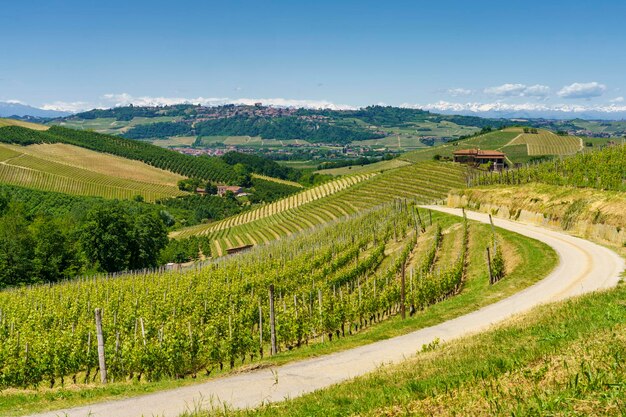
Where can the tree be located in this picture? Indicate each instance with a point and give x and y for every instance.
(16, 248)
(105, 237)
(210, 188)
(53, 255)
(243, 175)
(149, 237)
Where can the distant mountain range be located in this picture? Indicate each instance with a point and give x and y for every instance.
(21, 110)
(513, 111)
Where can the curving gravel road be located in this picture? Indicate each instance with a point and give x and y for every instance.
(583, 267)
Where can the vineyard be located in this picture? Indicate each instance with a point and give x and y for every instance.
(17, 167)
(423, 183)
(276, 207)
(323, 285)
(548, 143)
(207, 168)
(604, 169)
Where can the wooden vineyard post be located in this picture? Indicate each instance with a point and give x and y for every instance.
(493, 232)
(272, 321)
(403, 292)
(489, 266)
(100, 338)
(430, 217)
(260, 330)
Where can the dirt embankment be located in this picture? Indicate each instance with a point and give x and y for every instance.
(592, 214)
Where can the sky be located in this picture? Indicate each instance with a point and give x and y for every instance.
(74, 55)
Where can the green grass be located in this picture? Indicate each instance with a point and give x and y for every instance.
(566, 358)
(535, 261)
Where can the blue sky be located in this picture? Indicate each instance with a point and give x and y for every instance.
(72, 55)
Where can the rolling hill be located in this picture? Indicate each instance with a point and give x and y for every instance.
(422, 182)
(518, 146)
(73, 170)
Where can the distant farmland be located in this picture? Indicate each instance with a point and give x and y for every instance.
(73, 170)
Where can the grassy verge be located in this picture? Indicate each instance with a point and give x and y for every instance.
(567, 358)
(534, 260)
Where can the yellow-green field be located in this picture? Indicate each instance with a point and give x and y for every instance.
(12, 122)
(174, 141)
(73, 170)
(547, 143)
(364, 169)
(277, 180)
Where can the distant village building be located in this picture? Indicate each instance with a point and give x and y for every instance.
(480, 157)
(223, 189)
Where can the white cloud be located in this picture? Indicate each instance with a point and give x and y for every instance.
(15, 102)
(72, 107)
(125, 99)
(459, 92)
(518, 90)
(582, 90)
(617, 100)
(534, 109)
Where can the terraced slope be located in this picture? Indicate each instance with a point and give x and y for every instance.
(31, 167)
(277, 207)
(424, 183)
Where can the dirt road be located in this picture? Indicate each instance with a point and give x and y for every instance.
(583, 267)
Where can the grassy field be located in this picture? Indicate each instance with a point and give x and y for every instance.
(364, 169)
(532, 260)
(12, 122)
(424, 183)
(174, 141)
(74, 170)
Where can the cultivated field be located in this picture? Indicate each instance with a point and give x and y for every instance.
(293, 201)
(110, 125)
(364, 169)
(73, 170)
(548, 143)
(494, 141)
(277, 180)
(423, 183)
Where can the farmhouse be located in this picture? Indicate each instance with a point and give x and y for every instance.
(480, 157)
(223, 189)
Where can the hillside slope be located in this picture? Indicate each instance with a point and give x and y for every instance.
(73, 170)
(423, 182)
(518, 146)
(203, 167)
